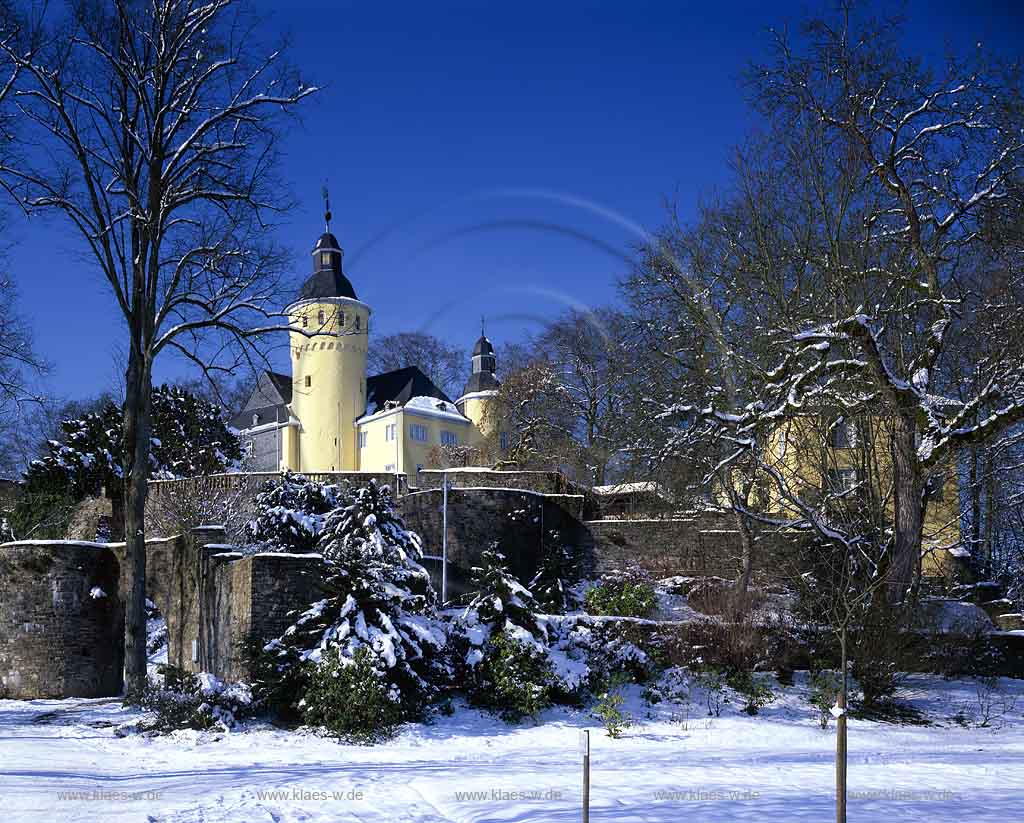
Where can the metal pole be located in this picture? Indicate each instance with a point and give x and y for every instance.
(585, 747)
(841, 738)
(444, 539)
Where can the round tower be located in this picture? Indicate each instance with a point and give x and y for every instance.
(328, 353)
(481, 387)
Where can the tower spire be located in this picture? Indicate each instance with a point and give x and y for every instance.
(327, 208)
(482, 326)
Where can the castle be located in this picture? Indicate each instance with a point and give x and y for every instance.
(329, 416)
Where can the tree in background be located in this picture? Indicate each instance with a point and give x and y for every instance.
(190, 438)
(444, 364)
(18, 362)
(158, 127)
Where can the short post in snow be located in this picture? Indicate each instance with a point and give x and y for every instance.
(585, 751)
(444, 539)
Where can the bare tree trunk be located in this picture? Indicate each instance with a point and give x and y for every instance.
(908, 502)
(138, 392)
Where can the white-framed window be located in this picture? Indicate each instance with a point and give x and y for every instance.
(255, 419)
(362, 439)
(844, 434)
(503, 437)
(449, 438)
(418, 433)
(389, 432)
(843, 480)
(250, 448)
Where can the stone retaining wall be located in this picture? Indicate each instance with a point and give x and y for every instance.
(61, 621)
(703, 545)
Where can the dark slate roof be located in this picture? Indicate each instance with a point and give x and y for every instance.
(326, 241)
(481, 381)
(327, 283)
(269, 397)
(327, 280)
(483, 346)
(400, 385)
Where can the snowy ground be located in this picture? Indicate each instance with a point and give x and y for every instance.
(63, 760)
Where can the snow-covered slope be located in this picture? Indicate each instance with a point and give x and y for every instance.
(775, 767)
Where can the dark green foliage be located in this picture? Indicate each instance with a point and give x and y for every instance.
(560, 569)
(289, 514)
(752, 688)
(513, 679)
(377, 605)
(628, 593)
(189, 438)
(501, 601)
(351, 698)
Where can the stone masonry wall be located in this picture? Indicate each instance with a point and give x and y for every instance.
(515, 520)
(694, 547)
(61, 621)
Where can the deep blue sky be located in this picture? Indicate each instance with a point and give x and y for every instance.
(485, 159)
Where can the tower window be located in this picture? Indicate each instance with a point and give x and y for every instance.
(305, 321)
(389, 431)
(309, 381)
(362, 439)
(341, 319)
(358, 322)
(325, 258)
(320, 317)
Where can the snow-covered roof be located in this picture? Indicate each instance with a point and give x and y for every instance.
(629, 488)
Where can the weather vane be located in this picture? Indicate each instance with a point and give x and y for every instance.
(327, 208)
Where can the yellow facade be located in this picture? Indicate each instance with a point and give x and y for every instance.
(860, 451)
(328, 355)
(402, 439)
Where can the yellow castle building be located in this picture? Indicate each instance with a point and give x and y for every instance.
(328, 415)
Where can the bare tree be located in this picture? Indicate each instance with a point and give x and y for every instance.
(443, 363)
(158, 122)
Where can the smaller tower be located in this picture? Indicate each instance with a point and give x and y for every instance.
(482, 385)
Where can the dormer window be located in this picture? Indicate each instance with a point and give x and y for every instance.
(255, 419)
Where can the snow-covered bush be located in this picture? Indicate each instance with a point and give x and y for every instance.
(502, 644)
(182, 700)
(290, 513)
(626, 593)
(378, 606)
(351, 698)
(753, 690)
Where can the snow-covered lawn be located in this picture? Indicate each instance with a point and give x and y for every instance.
(64, 760)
